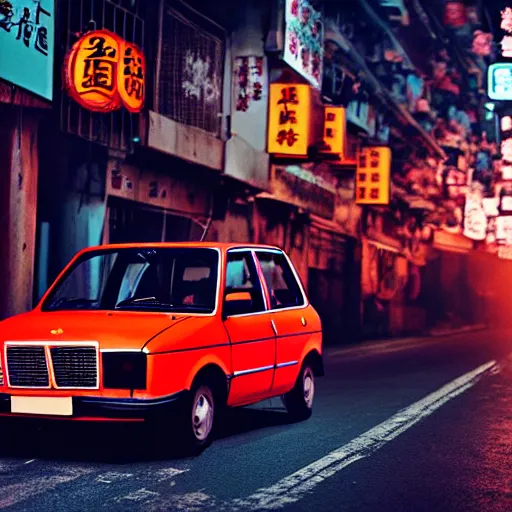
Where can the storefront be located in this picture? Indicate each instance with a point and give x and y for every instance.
(149, 206)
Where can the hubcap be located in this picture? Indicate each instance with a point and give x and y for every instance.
(309, 387)
(202, 416)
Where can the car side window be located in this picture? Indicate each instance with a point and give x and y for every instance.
(283, 287)
(242, 276)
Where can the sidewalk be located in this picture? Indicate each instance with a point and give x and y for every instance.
(395, 344)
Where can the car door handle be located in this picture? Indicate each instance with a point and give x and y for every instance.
(303, 321)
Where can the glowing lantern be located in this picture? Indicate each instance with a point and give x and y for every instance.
(102, 72)
(131, 77)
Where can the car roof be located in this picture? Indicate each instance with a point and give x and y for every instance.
(180, 245)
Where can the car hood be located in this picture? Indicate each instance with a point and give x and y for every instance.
(113, 330)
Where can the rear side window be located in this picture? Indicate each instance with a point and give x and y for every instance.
(281, 282)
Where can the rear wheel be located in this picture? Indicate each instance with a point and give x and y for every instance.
(299, 401)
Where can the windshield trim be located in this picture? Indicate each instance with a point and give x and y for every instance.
(43, 307)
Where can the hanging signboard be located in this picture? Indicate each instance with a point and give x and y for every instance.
(334, 130)
(304, 40)
(27, 44)
(373, 176)
(475, 220)
(499, 81)
(102, 72)
(289, 119)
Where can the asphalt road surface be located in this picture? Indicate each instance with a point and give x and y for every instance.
(423, 425)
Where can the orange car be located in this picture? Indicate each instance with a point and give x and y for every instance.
(137, 331)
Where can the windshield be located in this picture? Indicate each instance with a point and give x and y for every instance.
(172, 280)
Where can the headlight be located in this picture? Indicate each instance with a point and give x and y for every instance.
(124, 370)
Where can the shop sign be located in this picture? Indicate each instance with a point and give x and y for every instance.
(304, 40)
(504, 230)
(250, 82)
(490, 205)
(506, 26)
(334, 130)
(499, 81)
(373, 176)
(289, 119)
(475, 221)
(103, 72)
(303, 188)
(505, 252)
(27, 44)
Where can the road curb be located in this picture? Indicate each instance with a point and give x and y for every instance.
(368, 346)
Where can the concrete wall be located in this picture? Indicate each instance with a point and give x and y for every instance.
(18, 199)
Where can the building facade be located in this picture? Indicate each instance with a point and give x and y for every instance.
(259, 122)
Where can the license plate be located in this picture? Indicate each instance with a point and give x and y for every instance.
(51, 406)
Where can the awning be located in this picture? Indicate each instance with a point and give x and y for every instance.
(327, 225)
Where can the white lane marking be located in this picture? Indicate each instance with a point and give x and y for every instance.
(139, 496)
(169, 473)
(189, 502)
(292, 488)
(112, 476)
(30, 487)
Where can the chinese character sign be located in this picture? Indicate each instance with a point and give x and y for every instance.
(289, 119)
(334, 130)
(26, 44)
(250, 82)
(102, 72)
(373, 175)
(304, 40)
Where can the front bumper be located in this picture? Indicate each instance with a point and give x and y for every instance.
(105, 409)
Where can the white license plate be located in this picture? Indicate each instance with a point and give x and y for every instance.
(46, 405)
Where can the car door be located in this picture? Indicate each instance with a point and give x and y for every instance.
(250, 331)
(295, 323)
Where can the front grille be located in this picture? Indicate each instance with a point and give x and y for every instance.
(75, 367)
(27, 367)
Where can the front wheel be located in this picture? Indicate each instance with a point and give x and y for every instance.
(299, 401)
(198, 419)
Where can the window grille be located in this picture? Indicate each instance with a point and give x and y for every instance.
(115, 130)
(191, 73)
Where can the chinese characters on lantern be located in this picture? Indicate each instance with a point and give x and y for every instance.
(289, 119)
(249, 81)
(103, 72)
(373, 175)
(506, 25)
(334, 130)
(27, 22)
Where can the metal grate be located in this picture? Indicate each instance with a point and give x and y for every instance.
(75, 367)
(27, 367)
(191, 73)
(115, 130)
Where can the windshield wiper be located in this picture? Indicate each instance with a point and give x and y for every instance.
(152, 303)
(72, 303)
(144, 303)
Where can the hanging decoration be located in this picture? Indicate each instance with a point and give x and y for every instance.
(102, 72)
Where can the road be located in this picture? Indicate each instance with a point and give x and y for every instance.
(405, 425)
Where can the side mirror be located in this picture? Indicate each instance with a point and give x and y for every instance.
(238, 297)
(237, 303)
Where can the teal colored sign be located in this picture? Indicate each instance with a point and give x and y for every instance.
(27, 43)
